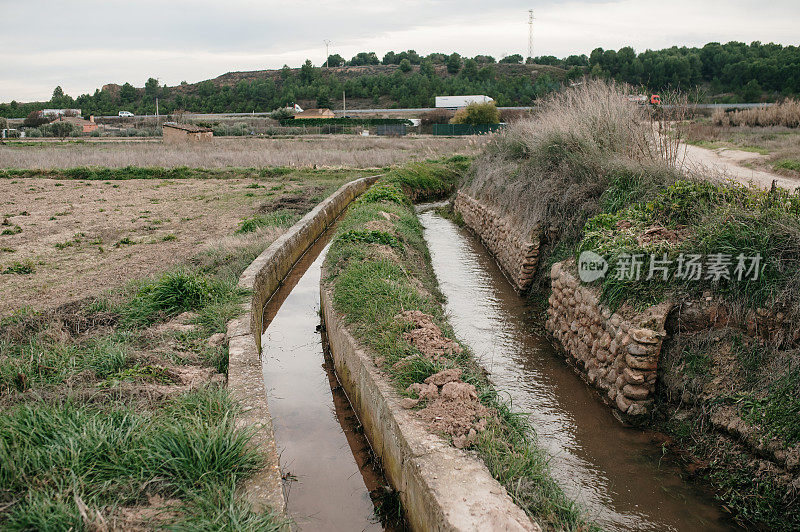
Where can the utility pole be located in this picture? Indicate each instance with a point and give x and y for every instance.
(327, 44)
(344, 105)
(156, 107)
(530, 33)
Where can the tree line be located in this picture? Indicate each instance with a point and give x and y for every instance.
(728, 72)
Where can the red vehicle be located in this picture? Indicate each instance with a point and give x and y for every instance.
(641, 99)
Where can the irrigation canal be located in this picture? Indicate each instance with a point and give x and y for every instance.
(613, 471)
(330, 479)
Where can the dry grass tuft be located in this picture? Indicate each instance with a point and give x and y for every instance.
(554, 167)
(784, 114)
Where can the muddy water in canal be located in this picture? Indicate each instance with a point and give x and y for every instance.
(324, 458)
(613, 471)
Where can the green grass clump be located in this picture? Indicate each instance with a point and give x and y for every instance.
(778, 412)
(19, 268)
(427, 180)
(43, 361)
(280, 218)
(371, 237)
(174, 292)
(110, 455)
(787, 164)
(384, 192)
(13, 230)
(728, 219)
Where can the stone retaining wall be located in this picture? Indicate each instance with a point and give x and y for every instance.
(616, 354)
(245, 377)
(516, 251)
(441, 487)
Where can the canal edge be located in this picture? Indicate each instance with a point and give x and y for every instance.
(245, 375)
(441, 487)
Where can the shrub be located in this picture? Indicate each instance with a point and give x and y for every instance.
(437, 116)
(477, 114)
(62, 129)
(34, 120)
(554, 167)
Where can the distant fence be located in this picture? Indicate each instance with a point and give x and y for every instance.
(465, 129)
(391, 130)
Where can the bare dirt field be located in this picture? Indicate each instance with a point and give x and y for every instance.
(62, 240)
(308, 151)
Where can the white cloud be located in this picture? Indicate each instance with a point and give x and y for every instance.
(191, 40)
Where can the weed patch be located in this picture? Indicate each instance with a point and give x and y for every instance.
(279, 218)
(371, 237)
(19, 268)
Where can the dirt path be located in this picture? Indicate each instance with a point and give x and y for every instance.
(726, 164)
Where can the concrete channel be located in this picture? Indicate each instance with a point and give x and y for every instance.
(326, 462)
(336, 438)
(615, 472)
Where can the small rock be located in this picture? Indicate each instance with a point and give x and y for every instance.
(644, 336)
(445, 376)
(636, 409)
(408, 403)
(623, 403)
(633, 377)
(459, 391)
(637, 349)
(635, 392)
(216, 340)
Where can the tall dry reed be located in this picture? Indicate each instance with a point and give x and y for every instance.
(550, 171)
(785, 114)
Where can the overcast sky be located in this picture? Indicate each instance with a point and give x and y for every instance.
(83, 44)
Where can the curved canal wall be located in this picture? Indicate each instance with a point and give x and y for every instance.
(516, 251)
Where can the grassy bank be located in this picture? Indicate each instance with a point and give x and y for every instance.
(113, 411)
(379, 268)
(728, 379)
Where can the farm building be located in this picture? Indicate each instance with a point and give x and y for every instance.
(175, 133)
(314, 113)
(86, 126)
